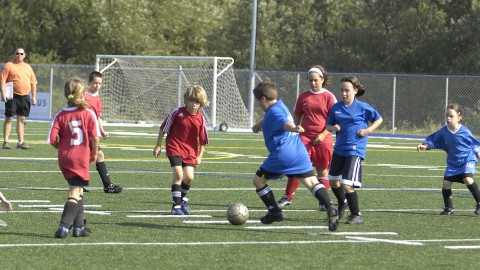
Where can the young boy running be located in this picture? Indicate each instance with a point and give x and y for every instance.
(93, 99)
(288, 156)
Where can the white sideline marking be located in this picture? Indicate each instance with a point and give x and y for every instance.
(353, 233)
(169, 216)
(215, 221)
(285, 227)
(29, 201)
(462, 247)
(183, 244)
(95, 212)
(55, 206)
(377, 240)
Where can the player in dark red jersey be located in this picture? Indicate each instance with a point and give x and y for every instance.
(311, 111)
(185, 143)
(93, 99)
(75, 133)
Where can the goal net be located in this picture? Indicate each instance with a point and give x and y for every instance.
(147, 88)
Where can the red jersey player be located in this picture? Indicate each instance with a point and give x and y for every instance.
(74, 133)
(93, 99)
(311, 111)
(185, 143)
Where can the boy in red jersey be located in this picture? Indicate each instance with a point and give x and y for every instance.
(75, 133)
(185, 143)
(93, 99)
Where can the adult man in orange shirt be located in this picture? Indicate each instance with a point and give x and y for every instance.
(24, 82)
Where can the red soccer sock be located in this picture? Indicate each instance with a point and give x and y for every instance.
(292, 186)
(325, 182)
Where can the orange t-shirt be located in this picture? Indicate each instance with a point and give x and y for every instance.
(22, 76)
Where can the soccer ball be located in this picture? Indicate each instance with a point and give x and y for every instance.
(237, 214)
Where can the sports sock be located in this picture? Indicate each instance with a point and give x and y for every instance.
(80, 217)
(69, 212)
(184, 189)
(292, 185)
(447, 197)
(324, 180)
(321, 194)
(102, 171)
(339, 194)
(176, 194)
(475, 191)
(266, 194)
(352, 199)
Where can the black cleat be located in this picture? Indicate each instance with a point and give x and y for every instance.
(112, 188)
(332, 217)
(61, 232)
(447, 211)
(269, 218)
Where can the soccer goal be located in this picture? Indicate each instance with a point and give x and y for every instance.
(147, 88)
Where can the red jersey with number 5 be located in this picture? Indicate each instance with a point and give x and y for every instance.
(73, 129)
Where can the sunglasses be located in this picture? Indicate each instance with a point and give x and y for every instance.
(20, 53)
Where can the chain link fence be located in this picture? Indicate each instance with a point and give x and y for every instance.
(409, 104)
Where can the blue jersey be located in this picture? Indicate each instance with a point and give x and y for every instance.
(351, 119)
(287, 155)
(461, 148)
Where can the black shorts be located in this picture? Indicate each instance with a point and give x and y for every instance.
(270, 176)
(177, 161)
(346, 169)
(19, 105)
(458, 178)
(77, 181)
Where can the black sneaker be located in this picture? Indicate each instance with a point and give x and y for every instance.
(269, 218)
(355, 219)
(447, 211)
(341, 209)
(61, 232)
(332, 217)
(81, 232)
(477, 210)
(112, 188)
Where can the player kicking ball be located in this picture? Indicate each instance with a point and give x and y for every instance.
(288, 156)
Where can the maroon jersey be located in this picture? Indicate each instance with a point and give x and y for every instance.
(74, 127)
(314, 107)
(185, 132)
(95, 103)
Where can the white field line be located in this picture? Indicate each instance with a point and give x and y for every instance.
(352, 233)
(29, 201)
(389, 241)
(86, 211)
(55, 206)
(182, 244)
(168, 215)
(285, 227)
(462, 247)
(215, 221)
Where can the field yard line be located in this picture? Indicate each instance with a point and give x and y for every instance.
(353, 233)
(182, 243)
(462, 247)
(29, 201)
(55, 206)
(377, 240)
(214, 221)
(168, 215)
(285, 227)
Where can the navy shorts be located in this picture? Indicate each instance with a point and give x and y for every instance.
(346, 169)
(19, 105)
(458, 178)
(270, 176)
(77, 181)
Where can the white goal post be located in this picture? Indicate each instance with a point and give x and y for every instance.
(147, 88)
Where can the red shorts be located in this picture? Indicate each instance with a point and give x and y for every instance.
(320, 154)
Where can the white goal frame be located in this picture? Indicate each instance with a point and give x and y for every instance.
(216, 72)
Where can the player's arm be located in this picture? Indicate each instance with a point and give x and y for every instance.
(7, 206)
(158, 147)
(292, 128)
(34, 93)
(422, 147)
(201, 150)
(102, 131)
(371, 128)
(95, 142)
(333, 128)
(257, 127)
(3, 89)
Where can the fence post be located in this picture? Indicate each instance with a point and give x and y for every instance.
(394, 101)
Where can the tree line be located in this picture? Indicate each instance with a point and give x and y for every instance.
(388, 36)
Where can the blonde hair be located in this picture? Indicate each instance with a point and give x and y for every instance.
(75, 93)
(196, 93)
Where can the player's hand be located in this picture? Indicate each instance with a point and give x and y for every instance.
(257, 128)
(7, 206)
(4, 99)
(34, 101)
(421, 147)
(105, 134)
(93, 157)
(156, 151)
(198, 162)
(362, 132)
